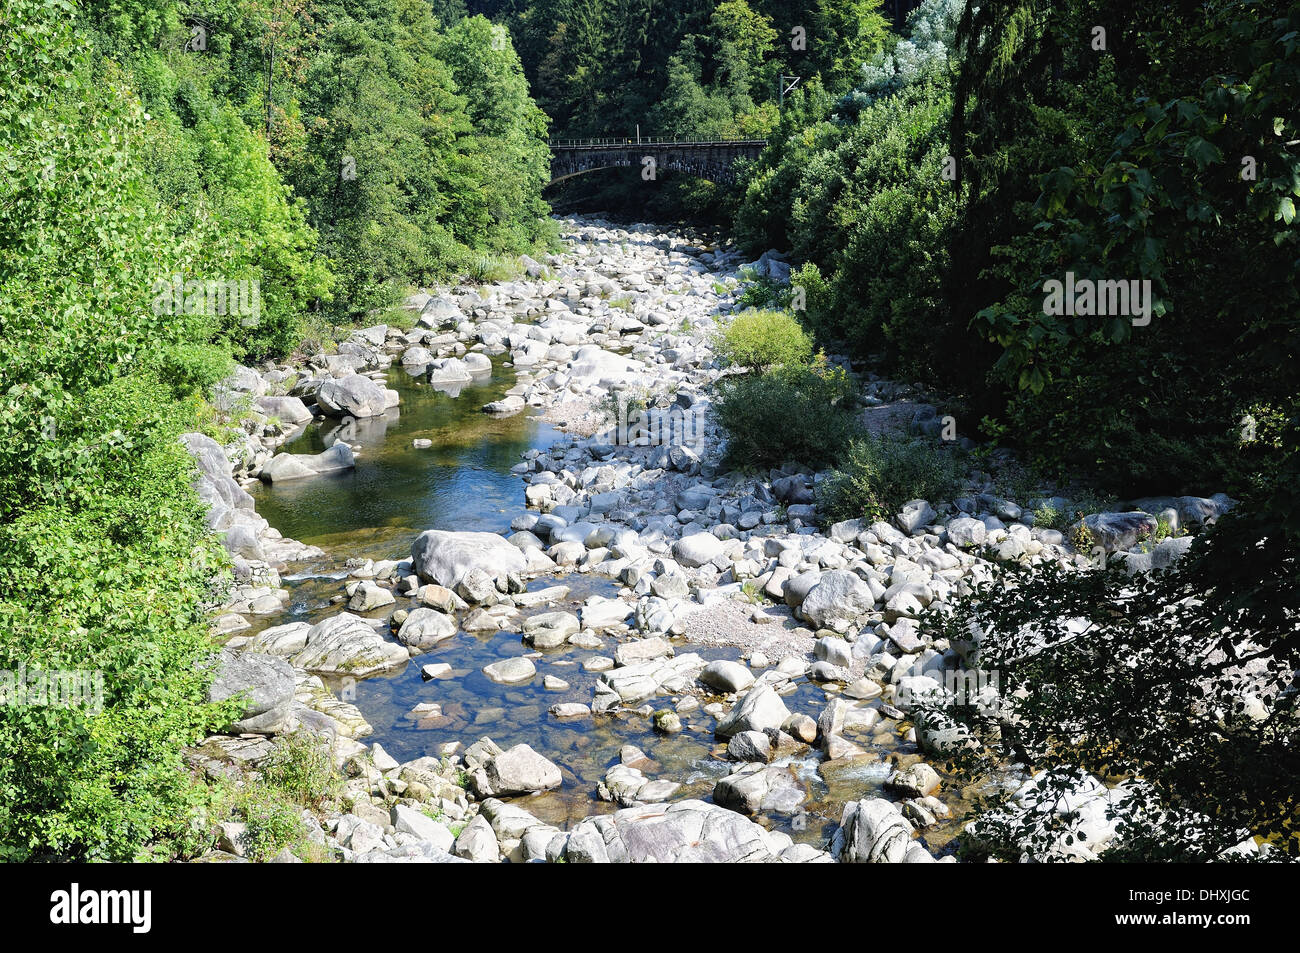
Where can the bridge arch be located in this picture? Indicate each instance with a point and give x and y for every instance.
(711, 159)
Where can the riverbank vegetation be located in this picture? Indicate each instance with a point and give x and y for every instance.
(304, 162)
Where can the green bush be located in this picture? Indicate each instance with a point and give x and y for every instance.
(756, 340)
(796, 413)
(104, 561)
(879, 474)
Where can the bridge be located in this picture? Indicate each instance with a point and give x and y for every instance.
(711, 159)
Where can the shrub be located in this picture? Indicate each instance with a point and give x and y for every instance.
(301, 768)
(756, 340)
(880, 474)
(796, 414)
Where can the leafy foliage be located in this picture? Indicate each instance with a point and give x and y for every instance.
(756, 340)
(879, 474)
(795, 413)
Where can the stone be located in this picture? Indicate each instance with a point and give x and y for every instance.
(352, 396)
(750, 746)
(642, 650)
(967, 532)
(839, 597)
(477, 842)
(697, 549)
(683, 832)
(667, 722)
(548, 630)
(760, 710)
(408, 820)
(916, 780)
(288, 410)
(871, 831)
(265, 683)
(291, 466)
(424, 628)
(445, 558)
(518, 770)
(727, 676)
(1115, 532)
(346, 644)
(915, 515)
(570, 710)
(511, 671)
(369, 596)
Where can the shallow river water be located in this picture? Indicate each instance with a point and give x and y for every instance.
(463, 482)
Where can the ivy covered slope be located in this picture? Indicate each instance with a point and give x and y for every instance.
(143, 146)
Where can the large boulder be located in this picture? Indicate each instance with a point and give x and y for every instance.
(683, 832)
(760, 710)
(838, 598)
(215, 486)
(265, 685)
(592, 365)
(424, 628)
(697, 549)
(293, 466)
(289, 410)
(965, 531)
(346, 644)
(445, 558)
(354, 396)
(725, 675)
(518, 770)
(872, 831)
(1114, 532)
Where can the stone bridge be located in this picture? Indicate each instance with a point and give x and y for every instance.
(711, 159)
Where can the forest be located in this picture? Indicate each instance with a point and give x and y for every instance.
(934, 168)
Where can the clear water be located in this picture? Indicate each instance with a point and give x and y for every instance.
(464, 483)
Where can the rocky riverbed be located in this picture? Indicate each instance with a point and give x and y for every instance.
(524, 637)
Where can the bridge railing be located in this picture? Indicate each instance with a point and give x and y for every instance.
(605, 143)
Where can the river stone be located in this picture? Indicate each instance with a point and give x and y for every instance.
(266, 683)
(293, 466)
(683, 832)
(917, 780)
(750, 746)
(697, 549)
(369, 596)
(477, 842)
(966, 532)
(289, 410)
(445, 558)
(424, 628)
(280, 639)
(550, 629)
(408, 820)
(511, 671)
(796, 588)
(871, 831)
(352, 396)
(348, 645)
(839, 597)
(448, 370)
(518, 770)
(1119, 531)
(727, 676)
(760, 710)
(642, 650)
(915, 515)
